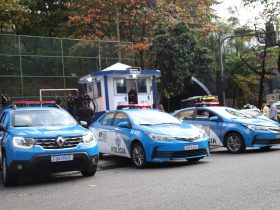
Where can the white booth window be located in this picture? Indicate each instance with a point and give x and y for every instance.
(97, 89)
(121, 85)
(142, 85)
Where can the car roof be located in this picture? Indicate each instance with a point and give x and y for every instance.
(33, 108)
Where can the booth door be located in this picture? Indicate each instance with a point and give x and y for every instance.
(132, 94)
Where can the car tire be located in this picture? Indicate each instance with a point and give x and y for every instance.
(235, 143)
(265, 148)
(90, 171)
(8, 178)
(138, 155)
(193, 160)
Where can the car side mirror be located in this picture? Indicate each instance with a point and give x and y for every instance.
(215, 118)
(2, 127)
(124, 125)
(84, 124)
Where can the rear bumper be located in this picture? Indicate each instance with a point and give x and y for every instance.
(43, 164)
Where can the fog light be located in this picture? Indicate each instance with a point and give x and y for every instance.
(19, 167)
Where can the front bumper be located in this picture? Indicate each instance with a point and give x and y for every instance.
(43, 164)
(165, 151)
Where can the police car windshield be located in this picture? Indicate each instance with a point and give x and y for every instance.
(233, 113)
(150, 117)
(35, 118)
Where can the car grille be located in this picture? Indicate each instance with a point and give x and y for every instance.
(50, 143)
(179, 154)
(189, 139)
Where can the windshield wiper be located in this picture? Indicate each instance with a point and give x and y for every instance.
(146, 124)
(22, 125)
(165, 123)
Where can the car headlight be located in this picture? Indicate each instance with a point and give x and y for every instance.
(23, 142)
(262, 128)
(158, 137)
(87, 139)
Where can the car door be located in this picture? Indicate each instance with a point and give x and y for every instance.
(211, 123)
(121, 144)
(104, 132)
(4, 121)
(199, 118)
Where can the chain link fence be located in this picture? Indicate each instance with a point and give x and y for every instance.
(29, 63)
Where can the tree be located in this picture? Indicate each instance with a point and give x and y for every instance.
(12, 15)
(175, 51)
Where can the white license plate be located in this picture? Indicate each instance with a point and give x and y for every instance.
(191, 147)
(278, 136)
(59, 158)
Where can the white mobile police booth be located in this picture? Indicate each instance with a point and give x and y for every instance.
(110, 87)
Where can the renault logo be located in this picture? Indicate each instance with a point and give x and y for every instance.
(60, 141)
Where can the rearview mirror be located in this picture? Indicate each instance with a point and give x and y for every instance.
(84, 124)
(215, 118)
(124, 125)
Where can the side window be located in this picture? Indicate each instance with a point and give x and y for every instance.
(204, 114)
(2, 117)
(120, 117)
(185, 115)
(107, 119)
(5, 119)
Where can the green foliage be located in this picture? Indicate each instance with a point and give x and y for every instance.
(175, 51)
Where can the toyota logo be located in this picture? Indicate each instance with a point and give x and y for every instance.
(60, 141)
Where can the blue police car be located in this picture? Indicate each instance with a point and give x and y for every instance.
(149, 136)
(231, 128)
(44, 139)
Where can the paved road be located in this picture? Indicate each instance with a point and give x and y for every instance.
(223, 181)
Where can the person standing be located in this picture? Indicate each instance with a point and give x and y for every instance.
(272, 111)
(85, 113)
(70, 103)
(265, 110)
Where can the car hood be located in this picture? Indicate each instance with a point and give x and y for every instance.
(48, 132)
(175, 130)
(256, 121)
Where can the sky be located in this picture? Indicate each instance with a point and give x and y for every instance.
(247, 15)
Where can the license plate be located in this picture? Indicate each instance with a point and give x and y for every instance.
(191, 147)
(278, 136)
(60, 158)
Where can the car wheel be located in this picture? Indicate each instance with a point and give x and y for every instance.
(265, 148)
(90, 171)
(193, 160)
(138, 155)
(235, 143)
(8, 178)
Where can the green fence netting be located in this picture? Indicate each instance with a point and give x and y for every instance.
(29, 63)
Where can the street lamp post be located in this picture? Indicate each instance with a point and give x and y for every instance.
(221, 43)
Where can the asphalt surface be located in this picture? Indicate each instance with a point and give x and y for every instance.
(222, 181)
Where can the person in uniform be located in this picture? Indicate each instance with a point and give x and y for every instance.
(132, 96)
(85, 113)
(70, 103)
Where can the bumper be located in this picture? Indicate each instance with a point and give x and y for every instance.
(43, 164)
(265, 141)
(178, 151)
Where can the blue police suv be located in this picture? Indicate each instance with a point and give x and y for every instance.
(44, 139)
